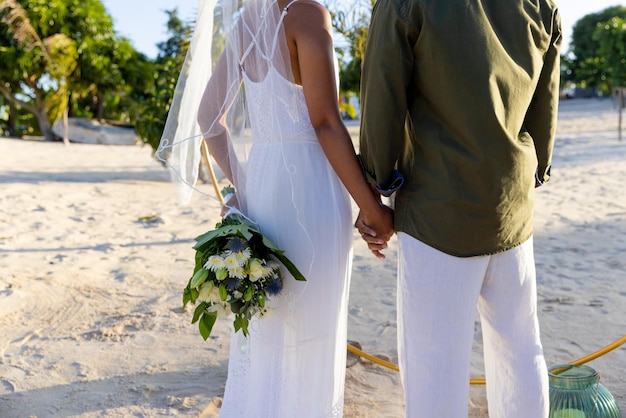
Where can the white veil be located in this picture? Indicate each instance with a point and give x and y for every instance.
(209, 100)
(181, 139)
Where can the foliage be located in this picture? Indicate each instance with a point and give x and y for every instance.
(110, 73)
(39, 63)
(611, 39)
(153, 110)
(351, 22)
(584, 64)
(60, 51)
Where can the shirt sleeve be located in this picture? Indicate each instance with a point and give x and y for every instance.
(541, 117)
(387, 70)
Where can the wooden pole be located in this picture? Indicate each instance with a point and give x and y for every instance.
(621, 107)
(207, 162)
(66, 128)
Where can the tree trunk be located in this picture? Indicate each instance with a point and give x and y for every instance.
(100, 114)
(621, 108)
(11, 122)
(39, 109)
(66, 128)
(44, 125)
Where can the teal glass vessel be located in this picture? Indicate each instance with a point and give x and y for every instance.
(576, 392)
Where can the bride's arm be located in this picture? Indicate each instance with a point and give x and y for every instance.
(218, 97)
(309, 32)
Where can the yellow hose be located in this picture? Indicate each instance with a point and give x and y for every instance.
(601, 351)
(581, 360)
(371, 358)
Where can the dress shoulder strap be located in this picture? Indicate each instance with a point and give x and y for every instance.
(289, 5)
(275, 40)
(279, 25)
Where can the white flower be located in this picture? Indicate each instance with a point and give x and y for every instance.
(272, 265)
(204, 292)
(231, 261)
(242, 256)
(214, 263)
(256, 269)
(237, 294)
(237, 272)
(222, 308)
(208, 292)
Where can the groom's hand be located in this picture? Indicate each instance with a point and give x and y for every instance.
(376, 230)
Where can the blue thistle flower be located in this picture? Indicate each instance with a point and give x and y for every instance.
(236, 244)
(274, 285)
(232, 283)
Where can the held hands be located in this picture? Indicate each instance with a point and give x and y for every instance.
(376, 228)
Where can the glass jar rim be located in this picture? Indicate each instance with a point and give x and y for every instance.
(572, 371)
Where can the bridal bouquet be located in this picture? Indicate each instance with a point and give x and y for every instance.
(236, 270)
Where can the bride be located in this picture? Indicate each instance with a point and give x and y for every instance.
(268, 111)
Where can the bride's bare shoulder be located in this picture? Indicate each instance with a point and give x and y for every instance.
(308, 3)
(309, 11)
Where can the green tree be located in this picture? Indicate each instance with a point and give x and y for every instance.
(124, 103)
(583, 63)
(153, 111)
(351, 22)
(57, 49)
(110, 73)
(611, 39)
(37, 67)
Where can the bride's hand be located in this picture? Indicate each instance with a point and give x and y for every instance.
(376, 229)
(231, 204)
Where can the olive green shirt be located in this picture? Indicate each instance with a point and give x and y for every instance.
(461, 97)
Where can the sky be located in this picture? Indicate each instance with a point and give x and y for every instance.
(143, 21)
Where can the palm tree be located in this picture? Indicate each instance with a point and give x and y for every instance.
(44, 80)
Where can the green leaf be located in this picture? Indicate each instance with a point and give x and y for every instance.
(242, 229)
(207, 238)
(271, 245)
(241, 323)
(199, 311)
(227, 190)
(199, 259)
(186, 296)
(206, 324)
(223, 292)
(237, 306)
(291, 267)
(194, 295)
(232, 225)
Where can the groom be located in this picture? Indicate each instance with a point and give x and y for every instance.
(461, 97)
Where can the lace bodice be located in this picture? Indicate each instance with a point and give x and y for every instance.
(277, 108)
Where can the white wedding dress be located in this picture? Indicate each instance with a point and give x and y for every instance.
(292, 365)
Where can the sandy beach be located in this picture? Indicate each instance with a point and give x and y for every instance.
(95, 252)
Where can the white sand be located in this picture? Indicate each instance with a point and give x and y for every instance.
(91, 323)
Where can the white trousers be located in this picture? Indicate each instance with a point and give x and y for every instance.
(437, 299)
